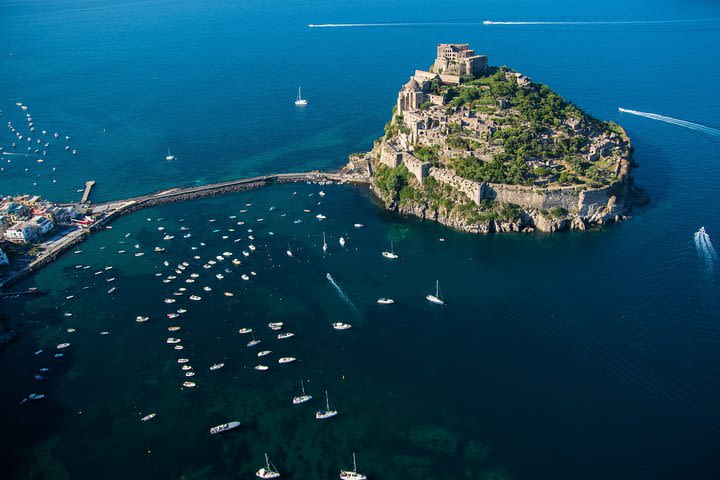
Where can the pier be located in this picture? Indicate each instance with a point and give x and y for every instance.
(88, 186)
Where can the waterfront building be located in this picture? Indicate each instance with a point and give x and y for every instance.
(21, 232)
(42, 224)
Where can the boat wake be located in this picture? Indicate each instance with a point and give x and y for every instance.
(493, 22)
(705, 249)
(704, 129)
(342, 295)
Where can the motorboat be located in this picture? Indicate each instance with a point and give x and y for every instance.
(148, 417)
(286, 359)
(264, 352)
(341, 326)
(224, 427)
(217, 366)
(284, 335)
(385, 301)
(262, 368)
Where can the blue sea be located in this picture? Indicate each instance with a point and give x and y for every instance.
(588, 355)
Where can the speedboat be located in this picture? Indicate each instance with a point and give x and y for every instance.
(63, 345)
(303, 397)
(141, 319)
(385, 301)
(224, 427)
(172, 340)
(286, 359)
(327, 413)
(148, 417)
(358, 225)
(173, 328)
(195, 298)
(229, 294)
(268, 471)
(245, 330)
(341, 326)
(352, 474)
(262, 368)
(169, 300)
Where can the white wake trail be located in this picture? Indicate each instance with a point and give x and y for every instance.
(714, 132)
(342, 294)
(494, 22)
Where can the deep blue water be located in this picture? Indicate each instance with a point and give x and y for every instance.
(579, 355)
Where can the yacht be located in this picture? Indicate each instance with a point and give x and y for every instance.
(217, 366)
(391, 254)
(262, 368)
(269, 470)
(300, 102)
(188, 384)
(352, 474)
(286, 359)
(141, 319)
(303, 397)
(253, 342)
(264, 352)
(224, 427)
(385, 301)
(327, 413)
(170, 156)
(195, 298)
(341, 326)
(245, 330)
(63, 345)
(275, 325)
(285, 335)
(148, 417)
(435, 298)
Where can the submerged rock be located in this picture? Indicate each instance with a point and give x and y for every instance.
(434, 439)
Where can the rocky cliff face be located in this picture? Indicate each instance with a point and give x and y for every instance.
(529, 219)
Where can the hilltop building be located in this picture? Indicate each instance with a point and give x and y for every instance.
(458, 59)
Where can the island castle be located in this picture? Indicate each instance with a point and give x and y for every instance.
(460, 124)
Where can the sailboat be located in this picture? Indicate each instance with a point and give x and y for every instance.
(391, 254)
(268, 471)
(352, 474)
(170, 156)
(324, 243)
(302, 398)
(327, 413)
(300, 102)
(435, 298)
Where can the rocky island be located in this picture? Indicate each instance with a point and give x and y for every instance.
(485, 149)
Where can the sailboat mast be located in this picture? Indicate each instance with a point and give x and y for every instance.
(437, 288)
(354, 464)
(327, 401)
(302, 387)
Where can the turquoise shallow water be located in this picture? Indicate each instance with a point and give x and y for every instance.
(579, 355)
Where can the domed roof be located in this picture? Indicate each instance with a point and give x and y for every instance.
(413, 84)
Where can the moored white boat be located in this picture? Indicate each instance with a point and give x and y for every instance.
(352, 474)
(268, 471)
(435, 298)
(385, 301)
(286, 359)
(303, 397)
(224, 427)
(341, 326)
(327, 413)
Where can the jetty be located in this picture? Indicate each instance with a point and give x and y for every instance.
(107, 212)
(86, 195)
